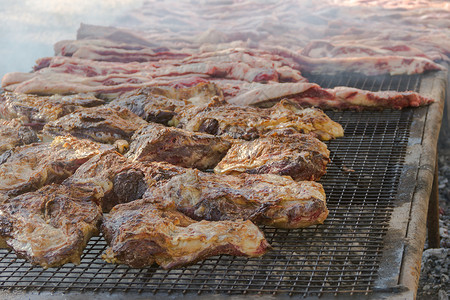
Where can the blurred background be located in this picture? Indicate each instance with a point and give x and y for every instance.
(29, 28)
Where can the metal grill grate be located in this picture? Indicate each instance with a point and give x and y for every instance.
(340, 256)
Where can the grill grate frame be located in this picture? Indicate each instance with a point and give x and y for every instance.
(342, 256)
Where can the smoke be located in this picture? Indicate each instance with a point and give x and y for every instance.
(30, 28)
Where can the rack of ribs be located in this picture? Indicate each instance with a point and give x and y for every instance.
(144, 232)
(301, 156)
(51, 226)
(263, 198)
(248, 123)
(156, 142)
(104, 124)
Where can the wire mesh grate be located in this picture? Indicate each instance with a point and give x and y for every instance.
(340, 256)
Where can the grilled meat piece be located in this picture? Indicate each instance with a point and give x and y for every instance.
(265, 199)
(160, 104)
(249, 123)
(143, 232)
(300, 156)
(38, 110)
(13, 134)
(32, 166)
(51, 226)
(104, 124)
(121, 180)
(156, 142)
(150, 107)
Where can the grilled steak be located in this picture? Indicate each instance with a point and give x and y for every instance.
(104, 124)
(51, 226)
(38, 110)
(248, 123)
(300, 156)
(160, 104)
(13, 134)
(142, 232)
(156, 142)
(32, 166)
(120, 179)
(265, 199)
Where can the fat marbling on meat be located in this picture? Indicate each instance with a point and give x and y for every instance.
(301, 156)
(263, 198)
(145, 231)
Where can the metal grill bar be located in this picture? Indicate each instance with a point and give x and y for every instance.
(341, 256)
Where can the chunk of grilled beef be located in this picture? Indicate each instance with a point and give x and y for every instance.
(120, 179)
(32, 166)
(13, 133)
(300, 156)
(38, 110)
(265, 199)
(150, 107)
(248, 123)
(104, 124)
(156, 142)
(144, 232)
(51, 226)
(160, 104)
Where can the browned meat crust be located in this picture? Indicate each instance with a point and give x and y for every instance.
(119, 179)
(13, 134)
(248, 123)
(300, 156)
(32, 166)
(51, 226)
(142, 232)
(104, 124)
(38, 110)
(160, 104)
(265, 199)
(156, 142)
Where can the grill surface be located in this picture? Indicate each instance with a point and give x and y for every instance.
(339, 257)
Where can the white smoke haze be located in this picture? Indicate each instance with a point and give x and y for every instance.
(29, 28)
(315, 29)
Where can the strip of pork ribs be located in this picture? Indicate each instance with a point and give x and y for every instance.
(248, 123)
(51, 226)
(308, 94)
(265, 199)
(156, 142)
(65, 75)
(29, 167)
(301, 156)
(105, 50)
(144, 232)
(104, 124)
